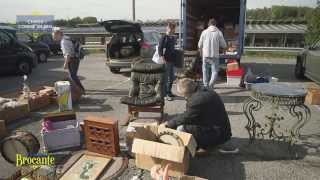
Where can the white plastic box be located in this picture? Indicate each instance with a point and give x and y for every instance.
(233, 80)
(65, 134)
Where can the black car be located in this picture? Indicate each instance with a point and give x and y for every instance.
(54, 46)
(128, 43)
(41, 49)
(15, 56)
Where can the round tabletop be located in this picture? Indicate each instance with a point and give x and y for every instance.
(279, 90)
(279, 93)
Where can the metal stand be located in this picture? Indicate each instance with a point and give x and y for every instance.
(271, 128)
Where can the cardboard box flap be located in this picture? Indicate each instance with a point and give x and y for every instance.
(158, 150)
(188, 139)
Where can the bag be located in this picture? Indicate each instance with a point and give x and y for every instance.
(78, 50)
(156, 58)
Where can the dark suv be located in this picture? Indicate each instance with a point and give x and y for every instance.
(40, 49)
(128, 44)
(15, 56)
(54, 46)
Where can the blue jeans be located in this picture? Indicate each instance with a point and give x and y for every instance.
(210, 68)
(169, 78)
(73, 67)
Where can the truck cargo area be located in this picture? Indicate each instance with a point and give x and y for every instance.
(228, 14)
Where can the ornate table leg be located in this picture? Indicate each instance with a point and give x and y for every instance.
(303, 114)
(251, 105)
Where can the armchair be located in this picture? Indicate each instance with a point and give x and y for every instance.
(147, 90)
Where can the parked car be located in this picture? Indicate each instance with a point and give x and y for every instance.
(308, 62)
(40, 49)
(128, 43)
(54, 46)
(15, 56)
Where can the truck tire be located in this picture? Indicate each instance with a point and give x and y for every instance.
(42, 57)
(24, 68)
(115, 70)
(299, 68)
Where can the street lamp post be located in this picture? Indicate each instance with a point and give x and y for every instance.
(134, 10)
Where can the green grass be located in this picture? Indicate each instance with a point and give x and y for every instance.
(288, 55)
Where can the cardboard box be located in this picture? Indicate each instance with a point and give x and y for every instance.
(131, 133)
(313, 96)
(192, 178)
(150, 152)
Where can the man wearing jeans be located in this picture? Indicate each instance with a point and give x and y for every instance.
(211, 40)
(71, 62)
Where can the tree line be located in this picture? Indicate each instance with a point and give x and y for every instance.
(74, 22)
(313, 20)
(279, 12)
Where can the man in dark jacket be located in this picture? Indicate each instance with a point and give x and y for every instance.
(205, 117)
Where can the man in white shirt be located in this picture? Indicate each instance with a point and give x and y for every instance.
(71, 62)
(211, 40)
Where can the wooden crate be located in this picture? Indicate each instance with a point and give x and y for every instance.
(12, 114)
(102, 136)
(39, 101)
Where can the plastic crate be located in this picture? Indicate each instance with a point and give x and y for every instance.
(64, 133)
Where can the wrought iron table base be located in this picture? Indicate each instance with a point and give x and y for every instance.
(272, 129)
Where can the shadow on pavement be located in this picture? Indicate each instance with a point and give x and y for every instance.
(221, 166)
(92, 105)
(109, 92)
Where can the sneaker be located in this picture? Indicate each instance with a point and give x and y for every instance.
(202, 152)
(228, 148)
(168, 98)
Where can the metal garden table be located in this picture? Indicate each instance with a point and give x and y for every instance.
(282, 97)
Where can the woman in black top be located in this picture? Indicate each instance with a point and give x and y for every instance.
(167, 54)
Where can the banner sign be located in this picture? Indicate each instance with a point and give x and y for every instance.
(38, 23)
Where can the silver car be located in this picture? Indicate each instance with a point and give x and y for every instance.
(128, 44)
(308, 63)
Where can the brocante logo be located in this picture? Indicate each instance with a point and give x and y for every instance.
(34, 160)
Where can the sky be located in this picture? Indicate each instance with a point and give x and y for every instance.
(113, 9)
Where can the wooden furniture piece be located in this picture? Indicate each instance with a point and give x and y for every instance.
(102, 136)
(147, 90)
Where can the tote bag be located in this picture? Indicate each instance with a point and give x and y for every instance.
(156, 58)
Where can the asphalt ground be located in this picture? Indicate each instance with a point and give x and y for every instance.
(264, 159)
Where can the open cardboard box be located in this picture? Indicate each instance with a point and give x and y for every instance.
(149, 152)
